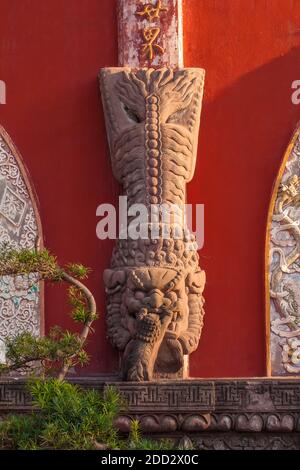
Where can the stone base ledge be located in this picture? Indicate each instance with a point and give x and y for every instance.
(225, 413)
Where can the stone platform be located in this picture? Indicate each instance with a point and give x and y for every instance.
(215, 414)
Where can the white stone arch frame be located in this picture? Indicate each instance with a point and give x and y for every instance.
(21, 297)
(282, 267)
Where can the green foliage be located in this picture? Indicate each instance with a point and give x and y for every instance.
(60, 349)
(13, 262)
(135, 433)
(66, 417)
(80, 311)
(151, 444)
(78, 270)
(69, 417)
(26, 351)
(137, 442)
(20, 432)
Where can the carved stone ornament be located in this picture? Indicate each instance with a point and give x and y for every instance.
(283, 265)
(213, 415)
(154, 287)
(20, 228)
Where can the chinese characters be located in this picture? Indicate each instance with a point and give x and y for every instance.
(151, 11)
(151, 33)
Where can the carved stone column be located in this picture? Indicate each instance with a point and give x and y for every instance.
(154, 286)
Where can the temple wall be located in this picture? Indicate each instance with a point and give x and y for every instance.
(50, 56)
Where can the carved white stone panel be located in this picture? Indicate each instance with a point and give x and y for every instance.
(283, 266)
(20, 297)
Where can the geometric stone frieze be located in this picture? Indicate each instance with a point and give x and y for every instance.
(215, 414)
(167, 397)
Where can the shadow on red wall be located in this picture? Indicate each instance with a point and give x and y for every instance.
(244, 133)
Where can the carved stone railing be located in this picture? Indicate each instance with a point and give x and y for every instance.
(214, 414)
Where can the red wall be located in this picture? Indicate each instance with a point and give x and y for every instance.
(50, 54)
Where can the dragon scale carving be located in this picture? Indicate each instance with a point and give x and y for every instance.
(154, 286)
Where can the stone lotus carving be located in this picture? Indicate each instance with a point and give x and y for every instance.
(155, 303)
(284, 266)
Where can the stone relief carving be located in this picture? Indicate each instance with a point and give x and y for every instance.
(20, 302)
(155, 303)
(284, 267)
(218, 414)
(247, 442)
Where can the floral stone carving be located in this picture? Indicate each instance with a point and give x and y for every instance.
(283, 264)
(20, 298)
(154, 286)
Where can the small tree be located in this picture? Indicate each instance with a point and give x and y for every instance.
(60, 349)
(65, 416)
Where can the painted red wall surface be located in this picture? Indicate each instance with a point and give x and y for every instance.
(50, 55)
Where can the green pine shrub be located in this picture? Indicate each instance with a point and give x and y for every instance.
(65, 416)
